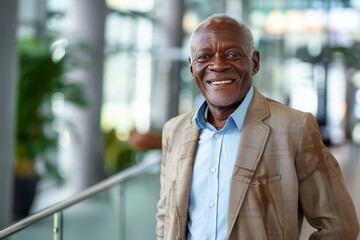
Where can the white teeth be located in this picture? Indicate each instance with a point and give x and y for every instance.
(221, 82)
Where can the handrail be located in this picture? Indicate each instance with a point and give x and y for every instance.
(133, 171)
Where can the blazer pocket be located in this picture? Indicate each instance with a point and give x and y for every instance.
(263, 181)
(264, 202)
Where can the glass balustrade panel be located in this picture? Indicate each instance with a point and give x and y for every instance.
(125, 211)
(122, 212)
(37, 231)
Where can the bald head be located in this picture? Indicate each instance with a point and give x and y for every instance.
(224, 23)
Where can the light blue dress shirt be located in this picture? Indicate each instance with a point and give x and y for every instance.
(213, 167)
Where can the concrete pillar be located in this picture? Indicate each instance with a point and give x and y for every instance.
(245, 10)
(235, 8)
(33, 13)
(8, 70)
(85, 25)
(217, 6)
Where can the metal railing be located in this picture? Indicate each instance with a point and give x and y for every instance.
(56, 209)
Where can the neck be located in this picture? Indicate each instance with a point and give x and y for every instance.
(217, 116)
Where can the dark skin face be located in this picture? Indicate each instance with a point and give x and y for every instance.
(222, 64)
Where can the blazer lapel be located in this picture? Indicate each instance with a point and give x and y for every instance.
(253, 139)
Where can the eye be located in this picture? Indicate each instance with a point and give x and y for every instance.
(234, 55)
(204, 57)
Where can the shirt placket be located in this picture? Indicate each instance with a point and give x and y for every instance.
(213, 185)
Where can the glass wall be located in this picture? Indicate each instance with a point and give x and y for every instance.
(309, 58)
(128, 65)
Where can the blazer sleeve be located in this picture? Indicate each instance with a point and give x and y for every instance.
(323, 195)
(161, 205)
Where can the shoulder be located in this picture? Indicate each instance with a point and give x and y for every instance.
(278, 108)
(279, 114)
(181, 121)
(179, 129)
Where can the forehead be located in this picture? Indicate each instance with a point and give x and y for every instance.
(219, 24)
(224, 31)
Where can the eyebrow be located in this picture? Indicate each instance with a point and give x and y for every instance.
(243, 48)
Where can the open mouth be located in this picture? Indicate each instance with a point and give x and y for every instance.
(220, 82)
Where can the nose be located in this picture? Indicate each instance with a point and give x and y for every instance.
(219, 64)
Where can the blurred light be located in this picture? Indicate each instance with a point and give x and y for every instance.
(356, 79)
(141, 105)
(295, 21)
(142, 5)
(336, 107)
(275, 23)
(258, 18)
(55, 5)
(135, 5)
(344, 20)
(357, 96)
(302, 92)
(314, 48)
(315, 20)
(190, 22)
(356, 133)
(118, 4)
(355, 3)
(64, 139)
(57, 102)
(144, 34)
(357, 111)
(58, 49)
(304, 98)
(115, 37)
(56, 126)
(116, 115)
(122, 136)
(64, 136)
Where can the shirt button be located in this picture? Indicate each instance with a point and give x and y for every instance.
(213, 170)
(211, 204)
(217, 136)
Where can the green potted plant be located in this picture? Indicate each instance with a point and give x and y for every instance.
(40, 77)
(118, 154)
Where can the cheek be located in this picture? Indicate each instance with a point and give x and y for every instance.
(198, 70)
(199, 83)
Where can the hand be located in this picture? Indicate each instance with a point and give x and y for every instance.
(146, 141)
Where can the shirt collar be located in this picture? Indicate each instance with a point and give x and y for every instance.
(238, 116)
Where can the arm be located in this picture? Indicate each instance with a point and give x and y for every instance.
(145, 141)
(161, 206)
(323, 195)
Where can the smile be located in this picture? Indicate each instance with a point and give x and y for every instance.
(221, 82)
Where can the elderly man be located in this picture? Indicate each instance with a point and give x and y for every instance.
(242, 166)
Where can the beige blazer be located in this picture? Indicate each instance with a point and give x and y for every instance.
(282, 173)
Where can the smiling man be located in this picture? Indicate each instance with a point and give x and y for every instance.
(242, 166)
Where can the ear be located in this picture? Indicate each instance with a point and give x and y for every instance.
(190, 66)
(256, 62)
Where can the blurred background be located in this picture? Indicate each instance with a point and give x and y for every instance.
(78, 77)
